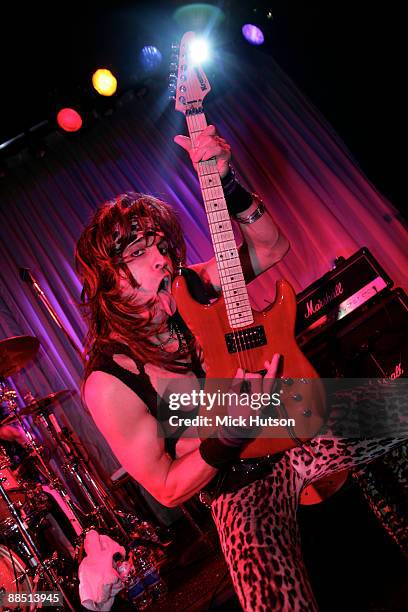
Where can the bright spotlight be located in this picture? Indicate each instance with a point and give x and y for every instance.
(104, 82)
(253, 34)
(199, 51)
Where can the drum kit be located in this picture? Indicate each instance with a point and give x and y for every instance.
(28, 491)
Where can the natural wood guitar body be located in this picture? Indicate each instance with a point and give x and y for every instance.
(302, 394)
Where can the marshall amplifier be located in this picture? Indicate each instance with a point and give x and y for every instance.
(351, 324)
(349, 285)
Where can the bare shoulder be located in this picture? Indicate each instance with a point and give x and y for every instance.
(112, 403)
(130, 430)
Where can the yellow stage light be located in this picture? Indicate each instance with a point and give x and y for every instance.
(104, 82)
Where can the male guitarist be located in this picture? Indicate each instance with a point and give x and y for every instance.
(127, 257)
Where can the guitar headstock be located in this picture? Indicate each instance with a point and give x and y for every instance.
(187, 80)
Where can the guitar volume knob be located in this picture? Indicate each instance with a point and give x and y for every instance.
(297, 397)
(307, 412)
(288, 381)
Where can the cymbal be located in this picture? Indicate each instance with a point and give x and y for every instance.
(16, 352)
(41, 405)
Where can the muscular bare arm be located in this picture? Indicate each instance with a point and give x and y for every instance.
(132, 433)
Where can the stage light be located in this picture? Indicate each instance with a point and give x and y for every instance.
(199, 51)
(104, 82)
(150, 58)
(199, 17)
(69, 120)
(253, 34)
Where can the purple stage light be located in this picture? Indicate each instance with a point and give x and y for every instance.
(253, 34)
(150, 57)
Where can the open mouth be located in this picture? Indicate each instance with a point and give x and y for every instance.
(164, 284)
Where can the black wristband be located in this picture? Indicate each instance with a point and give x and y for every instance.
(236, 196)
(217, 454)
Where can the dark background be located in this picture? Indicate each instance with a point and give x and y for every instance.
(347, 57)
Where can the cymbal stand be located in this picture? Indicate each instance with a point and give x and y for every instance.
(74, 464)
(53, 481)
(35, 556)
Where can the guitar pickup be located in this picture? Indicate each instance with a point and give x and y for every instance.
(245, 339)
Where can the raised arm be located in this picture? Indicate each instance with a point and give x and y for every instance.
(263, 243)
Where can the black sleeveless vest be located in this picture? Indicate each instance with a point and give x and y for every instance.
(140, 383)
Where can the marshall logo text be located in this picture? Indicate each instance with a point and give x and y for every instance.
(314, 307)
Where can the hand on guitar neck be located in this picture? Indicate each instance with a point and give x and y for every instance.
(207, 145)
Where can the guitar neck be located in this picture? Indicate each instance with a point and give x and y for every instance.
(222, 236)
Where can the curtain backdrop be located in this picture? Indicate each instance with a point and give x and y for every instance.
(282, 148)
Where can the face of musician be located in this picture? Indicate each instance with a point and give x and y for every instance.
(148, 261)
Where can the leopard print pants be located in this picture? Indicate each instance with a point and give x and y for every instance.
(258, 530)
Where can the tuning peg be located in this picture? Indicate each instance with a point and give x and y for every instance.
(173, 66)
(175, 47)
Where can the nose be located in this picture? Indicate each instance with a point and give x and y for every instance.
(159, 260)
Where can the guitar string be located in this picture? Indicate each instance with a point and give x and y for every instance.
(194, 120)
(196, 128)
(238, 341)
(207, 166)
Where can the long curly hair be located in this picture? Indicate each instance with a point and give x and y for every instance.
(108, 312)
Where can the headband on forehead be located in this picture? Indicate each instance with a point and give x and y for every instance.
(118, 236)
(122, 239)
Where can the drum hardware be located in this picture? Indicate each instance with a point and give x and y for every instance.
(13, 574)
(15, 353)
(35, 450)
(36, 407)
(75, 465)
(43, 568)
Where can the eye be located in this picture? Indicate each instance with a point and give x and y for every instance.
(163, 247)
(137, 252)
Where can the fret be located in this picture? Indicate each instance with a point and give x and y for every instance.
(222, 236)
(232, 281)
(226, 264)
(233, 286)
(216, 206)
(219, 215)
(220, 201)
(219, 226)
(214, 193)
(235, 302)
(233, 316)
(210, 172)
(232, 274)
(240, 312)
(226, 259)
(231, 304)
(240, 323)
(230, 294)
(208, 181)
(231, 249)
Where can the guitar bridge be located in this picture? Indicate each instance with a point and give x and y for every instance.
(245, 339)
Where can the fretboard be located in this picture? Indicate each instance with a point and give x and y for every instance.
(225, 248)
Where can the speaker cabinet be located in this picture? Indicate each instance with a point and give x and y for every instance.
(372, 342)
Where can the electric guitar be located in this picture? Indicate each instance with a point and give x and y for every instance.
(229, 331)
